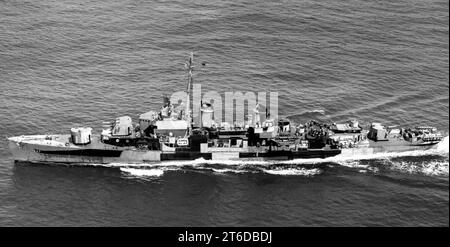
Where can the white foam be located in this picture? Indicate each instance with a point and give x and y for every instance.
(293, 171)
(229, 170)
(143, 172)
(318, 111)
(430, 168)
(373, 169)
(443, 145)
(353, 164)
(192, 163)
(369, 169)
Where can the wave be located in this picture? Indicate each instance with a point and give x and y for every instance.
(317, 111)
(294, 171)
(354, 164)
(143, 172)
(159, 171)
(443, 145)
(227, 170)
(430, 168)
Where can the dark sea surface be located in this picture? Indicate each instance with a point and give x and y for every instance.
(64, 63)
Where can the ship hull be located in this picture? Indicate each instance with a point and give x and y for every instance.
(41, 152)
(393, 146)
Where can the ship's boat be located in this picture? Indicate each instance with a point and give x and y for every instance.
(351, 127)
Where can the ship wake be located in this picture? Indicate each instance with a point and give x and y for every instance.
(221, 169)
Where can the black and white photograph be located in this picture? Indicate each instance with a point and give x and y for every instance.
(208, 113)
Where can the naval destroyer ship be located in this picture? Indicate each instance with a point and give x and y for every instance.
(171, 134)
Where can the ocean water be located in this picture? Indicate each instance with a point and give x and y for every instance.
(64, 63)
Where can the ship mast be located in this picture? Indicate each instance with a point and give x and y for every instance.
(190, 68)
